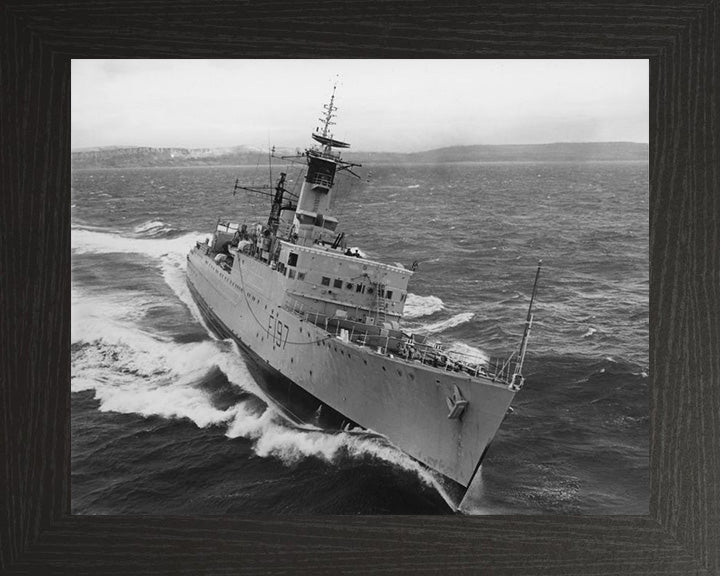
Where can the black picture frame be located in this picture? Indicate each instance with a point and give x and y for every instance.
(680, 535)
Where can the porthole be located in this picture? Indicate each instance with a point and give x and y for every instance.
(399, 372)
(384, 369)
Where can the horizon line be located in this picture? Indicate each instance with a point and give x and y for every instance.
(259, 149)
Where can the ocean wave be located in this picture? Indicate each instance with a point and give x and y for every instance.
(170, 253)
(133, 371)
(417, 306)
(590, 332)
(87, 241)
(466, 353)
(154, 228)
(443, 325)
(164, 380)
(274, 437)
(150, 377)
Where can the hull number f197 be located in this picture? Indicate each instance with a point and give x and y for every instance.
(278, 330)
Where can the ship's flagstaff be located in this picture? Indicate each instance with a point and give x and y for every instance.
(517, 376)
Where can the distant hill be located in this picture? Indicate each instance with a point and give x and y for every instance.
(143, 157)
(138, 157)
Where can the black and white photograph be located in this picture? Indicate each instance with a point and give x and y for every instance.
(360, 287)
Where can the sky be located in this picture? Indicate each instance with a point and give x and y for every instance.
(383, 105)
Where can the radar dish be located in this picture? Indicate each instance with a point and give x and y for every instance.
(329, 141)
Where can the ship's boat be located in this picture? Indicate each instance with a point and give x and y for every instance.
(323, 325)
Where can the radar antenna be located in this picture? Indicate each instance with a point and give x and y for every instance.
(325, 137)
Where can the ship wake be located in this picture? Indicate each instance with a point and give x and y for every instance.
(133, 368)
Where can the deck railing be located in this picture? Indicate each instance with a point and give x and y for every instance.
(395, 343)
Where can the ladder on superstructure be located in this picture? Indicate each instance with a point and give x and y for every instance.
(380, 305)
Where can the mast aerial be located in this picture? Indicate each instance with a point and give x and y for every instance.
(325, 137)
(329, 113)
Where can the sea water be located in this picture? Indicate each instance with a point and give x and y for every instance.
(167, 419)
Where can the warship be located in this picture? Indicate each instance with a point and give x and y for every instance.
(324, 325)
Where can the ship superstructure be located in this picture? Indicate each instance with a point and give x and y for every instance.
(328, 321)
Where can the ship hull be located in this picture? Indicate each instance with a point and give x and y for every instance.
(292, 401)
(406, 401)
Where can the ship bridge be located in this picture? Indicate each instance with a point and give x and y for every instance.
(331, 282)
(312, 214)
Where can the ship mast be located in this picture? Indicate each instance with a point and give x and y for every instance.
(312, 216)
(517, 378)
(329, 114)
(277, 205)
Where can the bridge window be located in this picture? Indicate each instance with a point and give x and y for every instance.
(301, 276)
(337, 283)
(325, 281)
(388, 294)
(360, 288)
(291, 273)
(292, 259)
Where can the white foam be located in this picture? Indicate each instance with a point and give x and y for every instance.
(132, 371)
(466, 353)
(85, 241)
(109, 316)
(153, 226)
(139, 373)
(417, 306)
(174, 269)
(171, 255)
(456, 320)
(272, 437)
(589, 332)
(135, 371)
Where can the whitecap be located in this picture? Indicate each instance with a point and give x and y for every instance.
(273, 437)
(456, 320)
(85, 241)
(149, 226)
(466, 353)
(417, 306)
